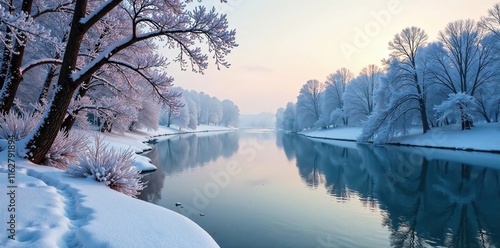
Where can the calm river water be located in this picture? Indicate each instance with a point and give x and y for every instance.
(259, 188)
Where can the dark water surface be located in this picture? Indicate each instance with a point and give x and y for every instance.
(264, 189)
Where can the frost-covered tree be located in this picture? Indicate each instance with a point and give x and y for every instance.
(358, 98)
(467, 58)
(308, 104)
(458, 106)
(466, 61)
(18, 26)
(203, 104)
(230, 113)
(214, 111)
(180, 27)
(289, 118)
(332, 103)
(395, 110)
(279, 118)
(488, 103)
(405, 47)
(402, 92)
(175, 111)
(491, 22)
(190, 97)
(181, 118)
(147, 116)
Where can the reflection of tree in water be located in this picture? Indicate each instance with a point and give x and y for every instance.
(435, 202)
(424, 202)
(183, 152)
(331, 166)
(287, 143)
(152, 193)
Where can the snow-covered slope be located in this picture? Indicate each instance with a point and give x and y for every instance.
(482, 137)
(53, 209)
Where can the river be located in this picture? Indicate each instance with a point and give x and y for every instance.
(258, 188)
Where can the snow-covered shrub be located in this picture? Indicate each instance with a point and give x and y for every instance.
(457, 107)
(113, 168)
(17, 124)
(65, 150)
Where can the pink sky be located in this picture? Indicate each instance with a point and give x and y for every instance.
(284, 43)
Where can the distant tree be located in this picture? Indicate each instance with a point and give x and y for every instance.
(203, 104)
(230, 113)
(308, 104)
(190, 97)
(289, 118)
(175, 111)
(181, 117)
(332, 102)
(280, 118)
(358, 98)
(214, 111)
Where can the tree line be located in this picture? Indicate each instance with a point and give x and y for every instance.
(454, 79)
(194, 108)
(65, 62)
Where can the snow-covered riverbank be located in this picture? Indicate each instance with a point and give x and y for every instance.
(136, 141)
(44, 207)
(482, 137)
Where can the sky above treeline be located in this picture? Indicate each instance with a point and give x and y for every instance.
(285, 43)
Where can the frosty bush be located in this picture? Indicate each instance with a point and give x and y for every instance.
(65, 150)
(17, 124)
(110, 166)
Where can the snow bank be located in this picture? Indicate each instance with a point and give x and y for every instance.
(53, 209)
(56, 210)
(482, 137)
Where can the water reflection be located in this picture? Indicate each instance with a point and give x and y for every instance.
(424, 201)
(183, 152)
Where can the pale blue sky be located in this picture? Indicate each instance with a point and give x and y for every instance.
(284, 43)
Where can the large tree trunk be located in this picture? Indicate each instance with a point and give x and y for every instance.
(423, 116)
(106, 127)
(421, 103)
(40, 143)
(14, 75)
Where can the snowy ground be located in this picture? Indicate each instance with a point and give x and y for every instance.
(48, 208)
(482, 137)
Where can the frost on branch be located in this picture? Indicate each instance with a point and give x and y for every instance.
(113, 168)
(19, 25)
